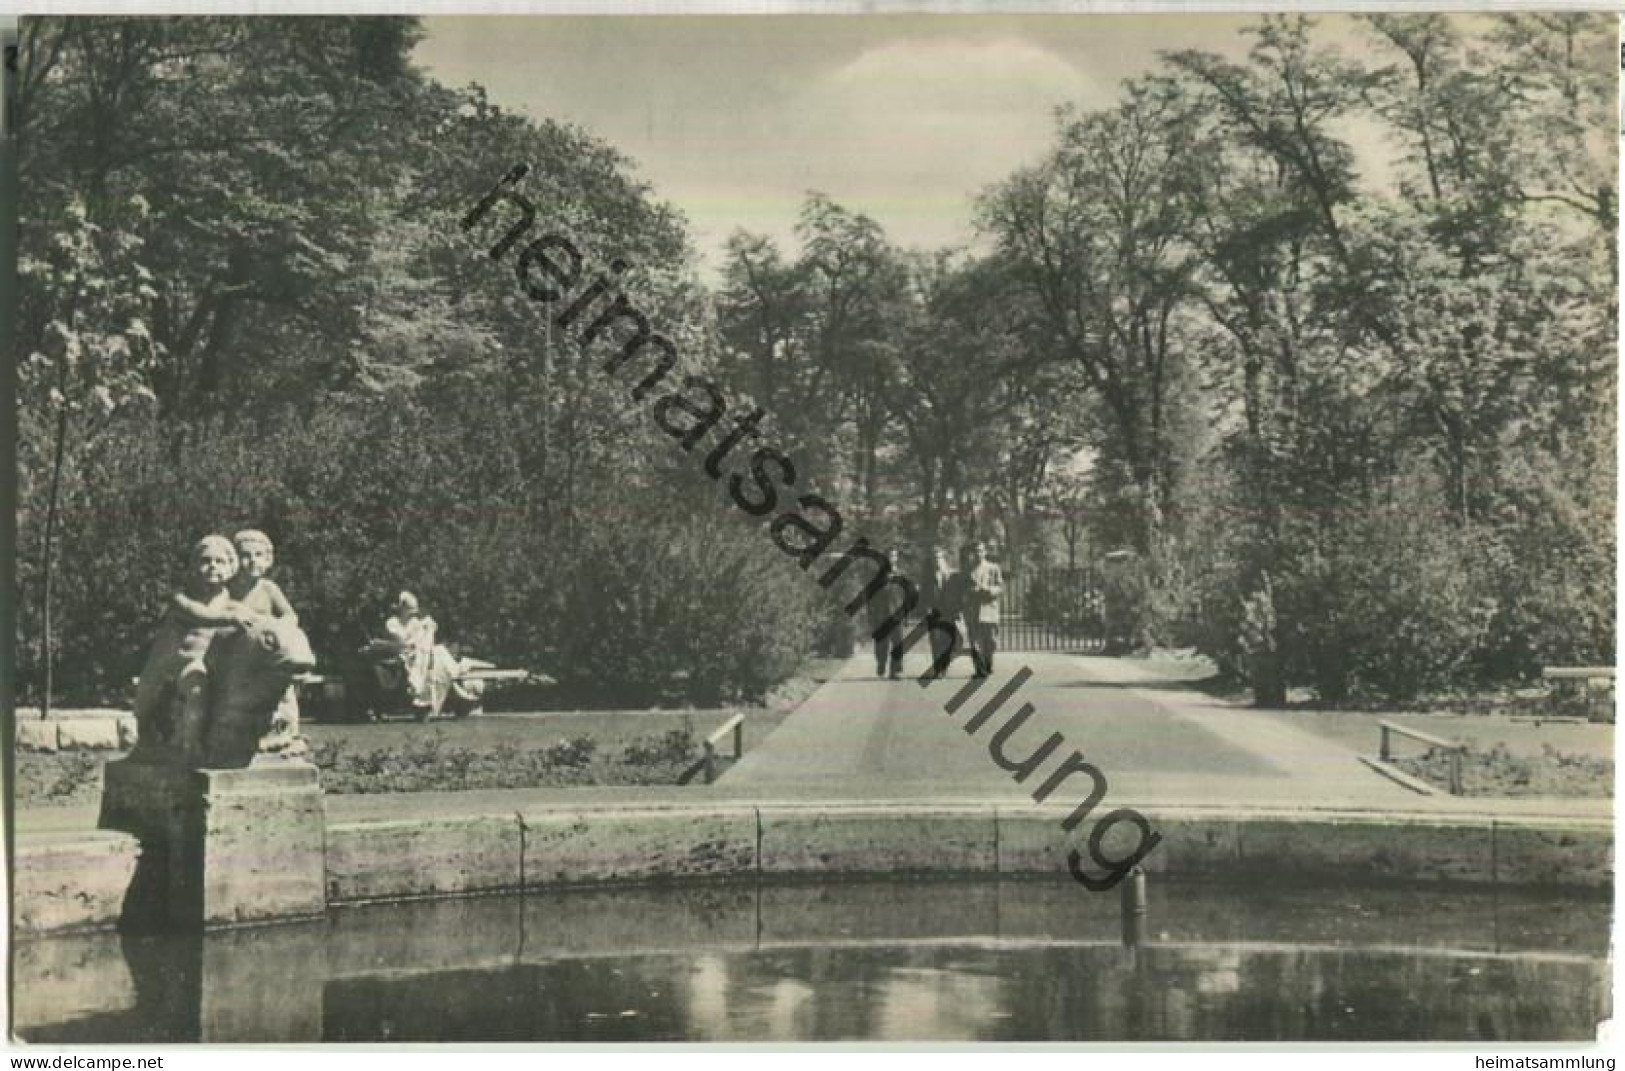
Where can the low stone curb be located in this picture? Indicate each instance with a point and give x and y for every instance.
(72, 885)
(78, 883)
(105, 733)
(1398, 776)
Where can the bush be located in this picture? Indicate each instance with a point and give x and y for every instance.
(1554, 575)
(577, 751)
(1389, 602)
(1125, 590)
(79, 770)
(1071, 603)
(429, 763)
(674, 746)
(684, 603)
(627, 586)
(361, 501)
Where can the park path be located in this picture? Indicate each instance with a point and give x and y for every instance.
(1157, 740)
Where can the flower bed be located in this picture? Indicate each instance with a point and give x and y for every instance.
(627, 747)
(1499, 772)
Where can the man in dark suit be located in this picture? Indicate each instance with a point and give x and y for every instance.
(880, 608)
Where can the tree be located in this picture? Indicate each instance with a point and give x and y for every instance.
(228, 128)
(856, 285)
(1067, 497)
(763, 312)
(1095, 235)
(813, 340)
(1560, 70)
(252, 224)
(1367, 334)
(94, 364)
(975, 402)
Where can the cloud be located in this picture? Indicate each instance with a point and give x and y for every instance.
(736, 119)
(956, 104)
(959, 76)
(912, 130)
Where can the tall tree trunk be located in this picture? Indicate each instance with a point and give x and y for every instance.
(48, 555)
(930, 512)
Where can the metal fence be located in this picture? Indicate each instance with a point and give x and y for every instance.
(1052, 610)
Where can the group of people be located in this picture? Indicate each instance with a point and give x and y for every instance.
(227, 587)
(967, 596)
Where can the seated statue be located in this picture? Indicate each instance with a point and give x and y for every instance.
(413, 651)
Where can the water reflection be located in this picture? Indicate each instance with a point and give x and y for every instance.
(953, 992)
(924, 961)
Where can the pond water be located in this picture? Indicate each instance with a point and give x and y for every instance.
(997, 961)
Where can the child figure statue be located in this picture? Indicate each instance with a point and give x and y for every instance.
(171, 701)
(258, 594)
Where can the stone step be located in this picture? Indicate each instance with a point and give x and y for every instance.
(105, 732)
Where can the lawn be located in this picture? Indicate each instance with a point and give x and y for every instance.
(1481, 732)
(1509, 754)
(597, 747)
(60, 779)
(1506, 757)
(1499, 772)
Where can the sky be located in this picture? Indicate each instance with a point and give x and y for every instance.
(734, 119)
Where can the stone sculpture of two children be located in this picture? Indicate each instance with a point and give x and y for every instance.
(227, 589)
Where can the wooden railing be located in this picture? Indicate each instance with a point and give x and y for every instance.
(1456, 751)
(734, 725)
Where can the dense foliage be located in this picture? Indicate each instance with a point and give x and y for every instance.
(246, 302)
(1320, 343)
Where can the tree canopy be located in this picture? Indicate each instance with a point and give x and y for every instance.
(1323, 338)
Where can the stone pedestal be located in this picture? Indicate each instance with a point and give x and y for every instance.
(219, 847)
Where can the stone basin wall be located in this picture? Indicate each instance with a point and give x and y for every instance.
(79, 883)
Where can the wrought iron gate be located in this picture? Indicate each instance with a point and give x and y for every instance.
(1052, 610)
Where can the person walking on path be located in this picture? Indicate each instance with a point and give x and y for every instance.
(880, 610)
(983, 584)
(941, 595)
